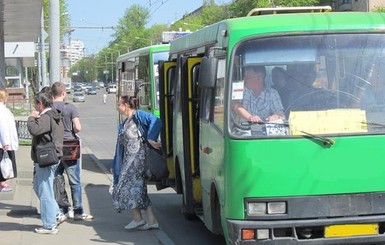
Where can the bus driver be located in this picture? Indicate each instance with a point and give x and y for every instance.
(259, 103)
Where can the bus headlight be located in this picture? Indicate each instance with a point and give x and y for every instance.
(256, 208)
(262, 208)
(276, 207)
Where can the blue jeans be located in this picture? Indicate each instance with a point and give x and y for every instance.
(43, 187)
(72, 169)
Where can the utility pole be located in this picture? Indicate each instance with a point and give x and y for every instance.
(2, 52)
(42, 59)
(54, 47)
(112, 68)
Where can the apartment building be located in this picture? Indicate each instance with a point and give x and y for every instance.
(70, 54)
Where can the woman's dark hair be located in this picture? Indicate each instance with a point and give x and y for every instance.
(131, 101)
(46, 89)
(45, 98)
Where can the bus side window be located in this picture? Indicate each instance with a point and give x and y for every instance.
(219, 91)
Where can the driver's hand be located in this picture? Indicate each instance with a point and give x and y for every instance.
(255, 119)
(273, 118)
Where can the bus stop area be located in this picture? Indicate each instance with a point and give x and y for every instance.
(19, 211)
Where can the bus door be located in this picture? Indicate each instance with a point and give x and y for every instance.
(211, 139)
(190, 123)
(166, 102)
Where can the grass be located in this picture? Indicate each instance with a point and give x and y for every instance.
(25, 142)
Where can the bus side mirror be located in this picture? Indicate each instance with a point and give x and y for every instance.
(208, 72)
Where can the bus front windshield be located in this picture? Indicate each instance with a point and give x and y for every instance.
(308, 85)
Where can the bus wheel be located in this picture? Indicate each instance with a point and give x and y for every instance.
(187, 215)
(178, 180)
(216, 215)
(179, 190)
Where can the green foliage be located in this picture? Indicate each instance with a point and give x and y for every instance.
(379, 9)
(85, 70)
(242, 7)
(64, 16)
(131, 32)
(133, 22)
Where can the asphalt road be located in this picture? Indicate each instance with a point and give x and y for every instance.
(99, 124)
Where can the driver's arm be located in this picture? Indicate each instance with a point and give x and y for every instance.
(241, 111)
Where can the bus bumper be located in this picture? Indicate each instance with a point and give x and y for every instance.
(312, 231)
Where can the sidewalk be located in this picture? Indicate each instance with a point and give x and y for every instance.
(19, 211)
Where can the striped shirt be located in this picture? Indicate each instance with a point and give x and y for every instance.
(266, 104)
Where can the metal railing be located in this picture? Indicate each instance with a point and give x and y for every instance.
(22, 130)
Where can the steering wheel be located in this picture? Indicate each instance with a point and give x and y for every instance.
(322, 99)
(239, 128)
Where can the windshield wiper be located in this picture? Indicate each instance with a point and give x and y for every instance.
(324, 140)
(378, 125)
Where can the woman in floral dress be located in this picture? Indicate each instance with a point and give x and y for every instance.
(129, 188)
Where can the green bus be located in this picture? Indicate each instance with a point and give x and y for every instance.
(137, 73)
(314, 175)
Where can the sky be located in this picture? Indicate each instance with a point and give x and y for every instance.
(106, 14)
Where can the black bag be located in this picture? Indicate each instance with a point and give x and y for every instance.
(156, 162)
(60, 192)
(71, 149)
(46, 154)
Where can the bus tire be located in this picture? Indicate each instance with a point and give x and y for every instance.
(216, 213)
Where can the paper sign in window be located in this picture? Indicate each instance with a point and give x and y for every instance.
(328, 121)
(237, 92)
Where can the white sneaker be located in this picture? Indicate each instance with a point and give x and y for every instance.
(60, 218)
(149, 227)
(42, 230)
(70, 214)
(85, 217)
(134, 224)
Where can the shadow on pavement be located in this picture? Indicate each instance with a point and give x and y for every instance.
(108, 224)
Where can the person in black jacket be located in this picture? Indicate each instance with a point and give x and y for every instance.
(44, 124)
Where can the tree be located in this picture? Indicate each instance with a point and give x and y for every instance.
(379, 9)
(64, 17)
(132, 23)
(242, 7)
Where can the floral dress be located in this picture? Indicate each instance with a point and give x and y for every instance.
(131, 190)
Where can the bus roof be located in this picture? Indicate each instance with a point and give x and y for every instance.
(144, 51)
(228, 32)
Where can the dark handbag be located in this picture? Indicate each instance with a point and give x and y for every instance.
(156, 162)
(60, 192)
(71, 149)
(46, 154)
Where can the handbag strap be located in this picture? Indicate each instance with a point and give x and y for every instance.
(52, 133)
(139, 126)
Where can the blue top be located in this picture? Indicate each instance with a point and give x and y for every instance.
(149, 127)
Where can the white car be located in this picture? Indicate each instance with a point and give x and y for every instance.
(111, 89)
(79, 97)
